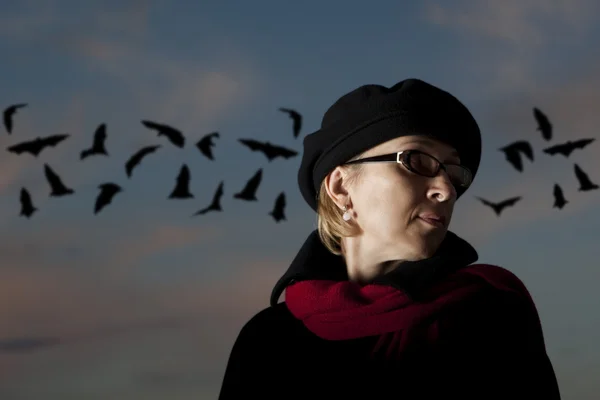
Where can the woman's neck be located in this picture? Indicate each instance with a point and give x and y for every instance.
(366, 261)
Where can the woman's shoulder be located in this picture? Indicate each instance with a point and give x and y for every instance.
(499, 277)
(270, 318)
(271, 325)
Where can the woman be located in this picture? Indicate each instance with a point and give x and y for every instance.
(382, 301)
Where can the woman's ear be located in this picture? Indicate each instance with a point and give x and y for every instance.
(336, 186)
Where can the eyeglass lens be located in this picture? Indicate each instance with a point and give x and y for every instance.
(426, 165)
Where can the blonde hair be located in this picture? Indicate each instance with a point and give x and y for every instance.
(332, 228)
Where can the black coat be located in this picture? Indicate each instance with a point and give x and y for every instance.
(498, 352)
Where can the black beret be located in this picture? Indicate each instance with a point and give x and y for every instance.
(373, 114)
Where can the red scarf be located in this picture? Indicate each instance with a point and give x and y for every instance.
(335, 310)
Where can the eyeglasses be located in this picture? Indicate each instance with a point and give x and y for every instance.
(425, 165)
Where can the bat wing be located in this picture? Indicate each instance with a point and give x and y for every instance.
(23, 147)
(486, 202)
(525, 148)
(254, 182)
(544, 123)
(515, 159)
(558, 191)
(107, 193)
(582, 177)
(184, 175)
(253, 145)
(100, 136)
(284, 152)
(557, 149)
(103, 199)
(153, 125)
(280, 203)
(136, 158)
(7, 119)
(53, 140)
(582, 143)
(8, 115)
(25, 199)
(218, 193)
(510, 202)
(53, 179)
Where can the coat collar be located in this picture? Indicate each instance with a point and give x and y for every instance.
(315, 261)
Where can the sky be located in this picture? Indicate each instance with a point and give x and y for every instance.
(143, 301)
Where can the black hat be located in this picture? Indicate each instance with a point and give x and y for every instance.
(373, 114)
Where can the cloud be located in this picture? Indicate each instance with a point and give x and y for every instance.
(26, 344)
(507, 46)
(522, 23)
(68, 302)
(173, 87)
(152, 337)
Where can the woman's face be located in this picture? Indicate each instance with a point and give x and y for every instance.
(395, 207)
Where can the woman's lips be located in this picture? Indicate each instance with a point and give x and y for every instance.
(433, 221)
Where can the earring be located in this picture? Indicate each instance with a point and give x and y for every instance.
(346, 215)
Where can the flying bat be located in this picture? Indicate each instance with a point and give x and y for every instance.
(513, 153)
(137, 158)
(57, 187)
(27, 207)
(567, 148)
(182, 184)
(296, 117)
(499, 207)
(278, 209)
(36, 146)
(8, 114)
(174, 135)
(585, 184)
(248, 193)
(544, 124)
(269, 150)
(98, 146)
(107, 192)
(559, 198)
(216, 202)
(205, 144)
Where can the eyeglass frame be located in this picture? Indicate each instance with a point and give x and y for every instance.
(395, 157)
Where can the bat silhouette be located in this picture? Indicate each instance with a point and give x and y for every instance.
(296, 117)
(269, 150)
(278, 209)
(248, 193)
(36, 146)
(499, 207)
(182, 184)
(559, 198)
(174, 135)
(98, 146)
(567, 148)
(205, 144)
(513, 153)
(57, 187)
(27, 207)
(216, 202)
(137, 158)
(8, 114)
(585, 184)
(544, 124)
(107, 192)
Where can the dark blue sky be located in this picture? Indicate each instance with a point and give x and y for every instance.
(105, 285)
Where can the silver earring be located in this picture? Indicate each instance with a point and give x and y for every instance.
(346, 215)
